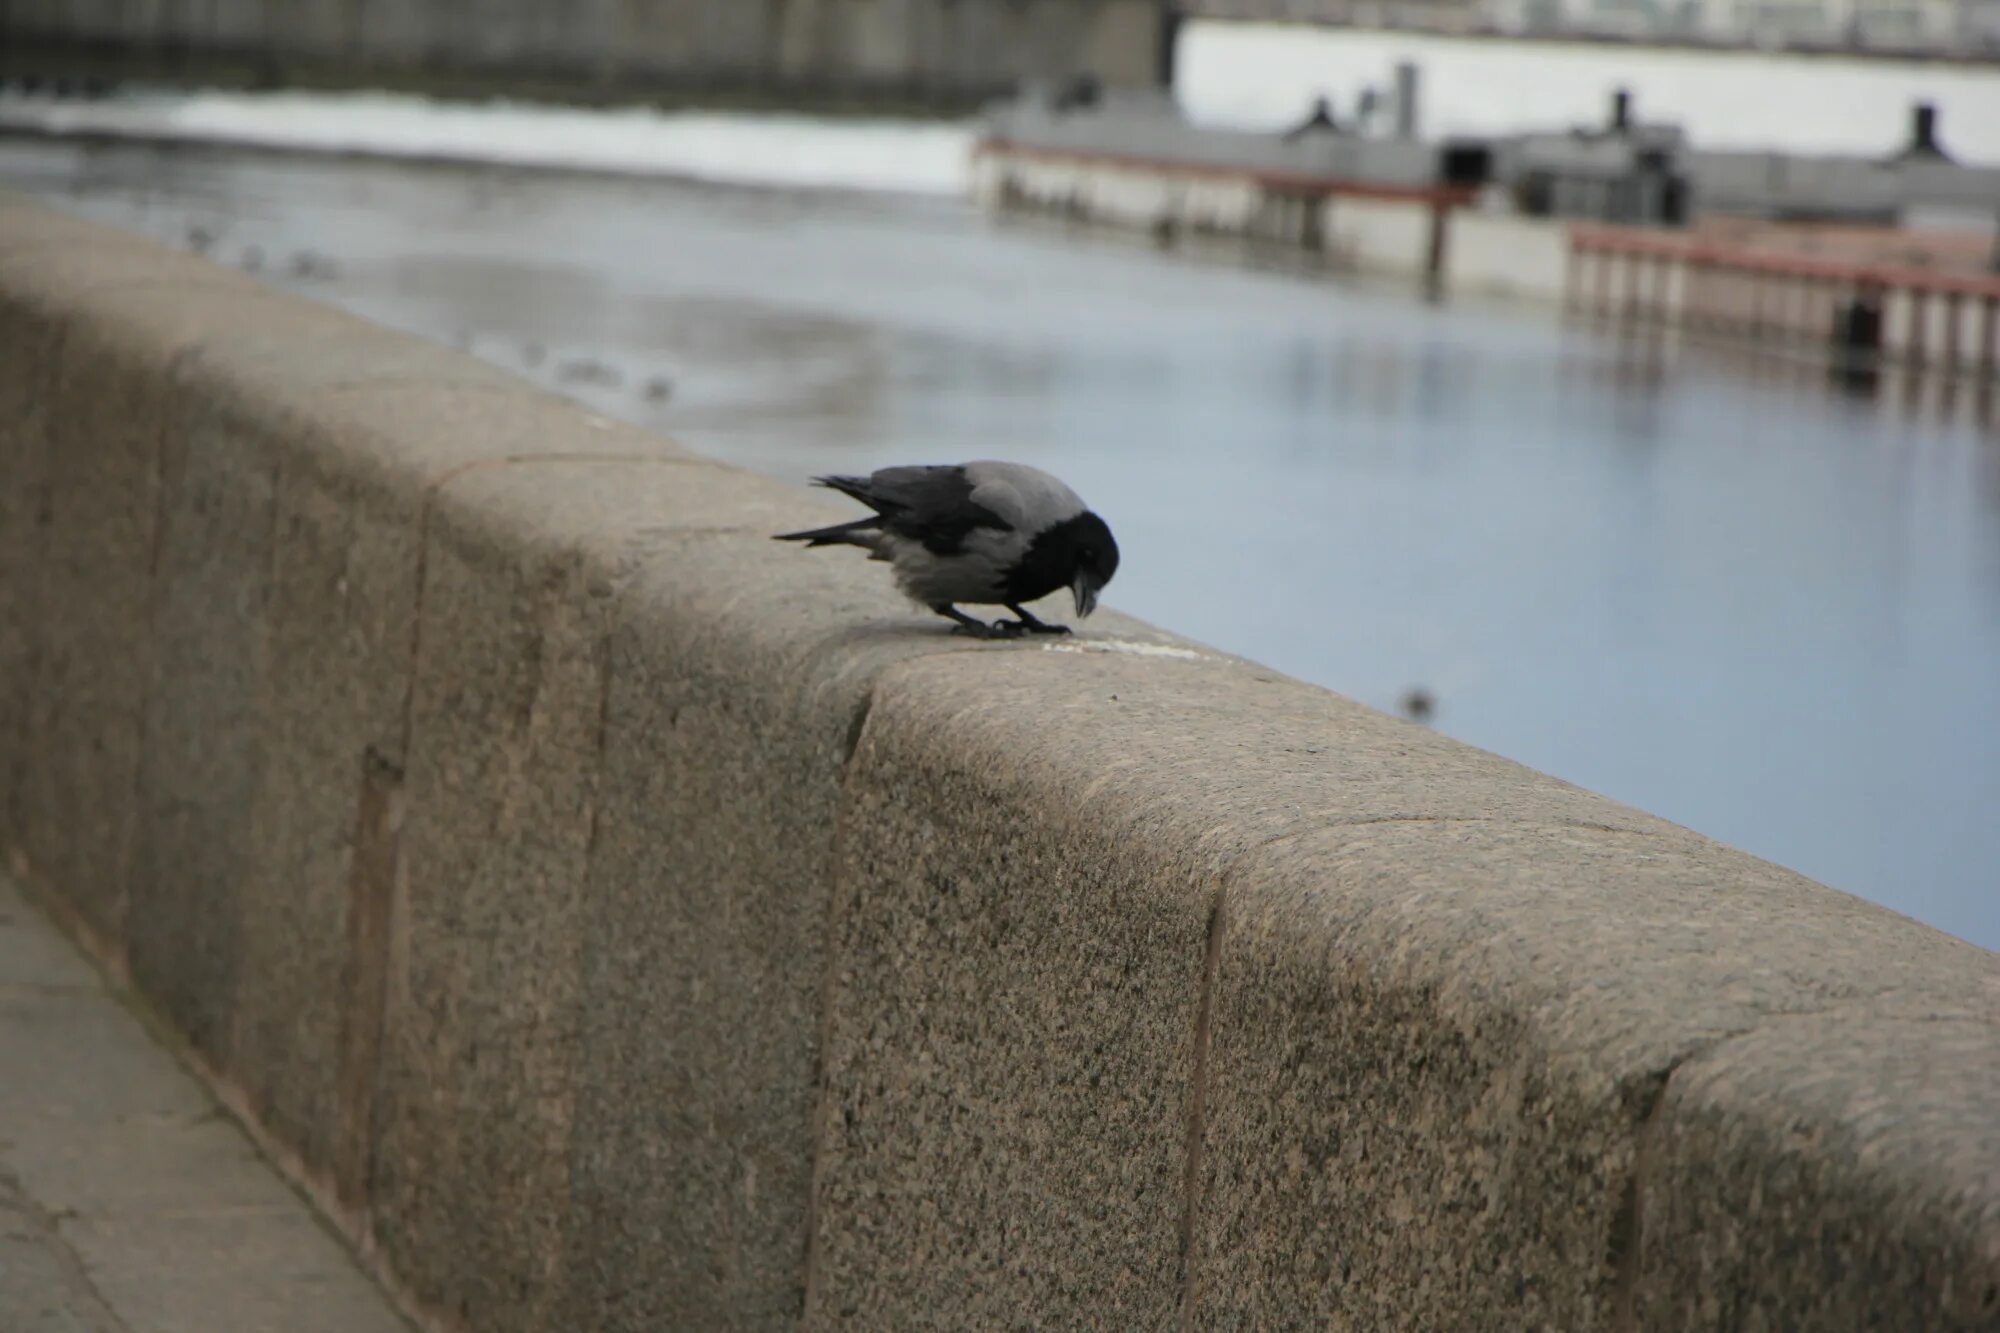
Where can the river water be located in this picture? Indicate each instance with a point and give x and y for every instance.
(1727, 595)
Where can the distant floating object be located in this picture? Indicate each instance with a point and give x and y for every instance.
(659, 389)
(586, 370)
(306, 264)
(1418, 704)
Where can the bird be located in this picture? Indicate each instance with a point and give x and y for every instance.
(983, 533)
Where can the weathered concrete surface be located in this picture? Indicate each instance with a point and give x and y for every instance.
(1028, 878)
(704, 726)
(43, 1285)
(88, 465)
(1880, 1112)
(620, 920)
(486, 1008)
(129, 1202)
(330, 616)
(1445, 1036)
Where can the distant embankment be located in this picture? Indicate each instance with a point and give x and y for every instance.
(943, 52)
(620, 921)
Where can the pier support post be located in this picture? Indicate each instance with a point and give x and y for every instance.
(1989, 338)
(1857, 331)
(1953, 317)
(1434, 257)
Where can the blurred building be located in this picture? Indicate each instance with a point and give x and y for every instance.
(937, 51)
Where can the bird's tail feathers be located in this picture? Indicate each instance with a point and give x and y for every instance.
(855, 488)
(861, 532)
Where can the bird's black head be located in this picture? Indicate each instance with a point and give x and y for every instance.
(1077, 553)
(1095, 553)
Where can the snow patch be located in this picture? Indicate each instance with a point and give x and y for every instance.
(899, 156)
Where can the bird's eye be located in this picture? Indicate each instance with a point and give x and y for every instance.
(1088, 554)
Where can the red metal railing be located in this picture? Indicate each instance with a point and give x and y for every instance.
(1913, 314)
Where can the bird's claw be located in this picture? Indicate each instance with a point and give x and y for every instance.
(981, 630)
(1007, 629)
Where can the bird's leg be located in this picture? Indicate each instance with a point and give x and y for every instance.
(1030, 624)
(978, 629)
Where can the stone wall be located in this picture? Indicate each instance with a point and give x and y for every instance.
(950, 51)
(619, 920)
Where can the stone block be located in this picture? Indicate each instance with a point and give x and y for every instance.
(107, 425)
(740, 678)
(1432, 1045)
(516, 1039)
(320, 735)
(32, 338)
(1838, 1169)
(1030, 856)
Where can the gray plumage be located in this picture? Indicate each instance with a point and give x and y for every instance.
(983, 533)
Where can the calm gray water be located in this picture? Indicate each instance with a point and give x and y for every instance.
(1731, 597)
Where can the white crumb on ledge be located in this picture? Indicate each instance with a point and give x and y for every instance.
(1134, 647)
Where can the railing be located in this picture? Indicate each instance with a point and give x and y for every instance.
(1934, 319)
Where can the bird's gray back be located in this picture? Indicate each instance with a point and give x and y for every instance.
(1026, 498)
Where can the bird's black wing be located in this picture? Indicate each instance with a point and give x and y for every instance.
(932, 505)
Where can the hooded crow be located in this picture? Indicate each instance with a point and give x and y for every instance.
(986, 533)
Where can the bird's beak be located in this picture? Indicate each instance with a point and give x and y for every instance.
(1085, 594)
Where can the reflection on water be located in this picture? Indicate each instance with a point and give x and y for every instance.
(1706, 583)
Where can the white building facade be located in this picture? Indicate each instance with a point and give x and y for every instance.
(1943, 27)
